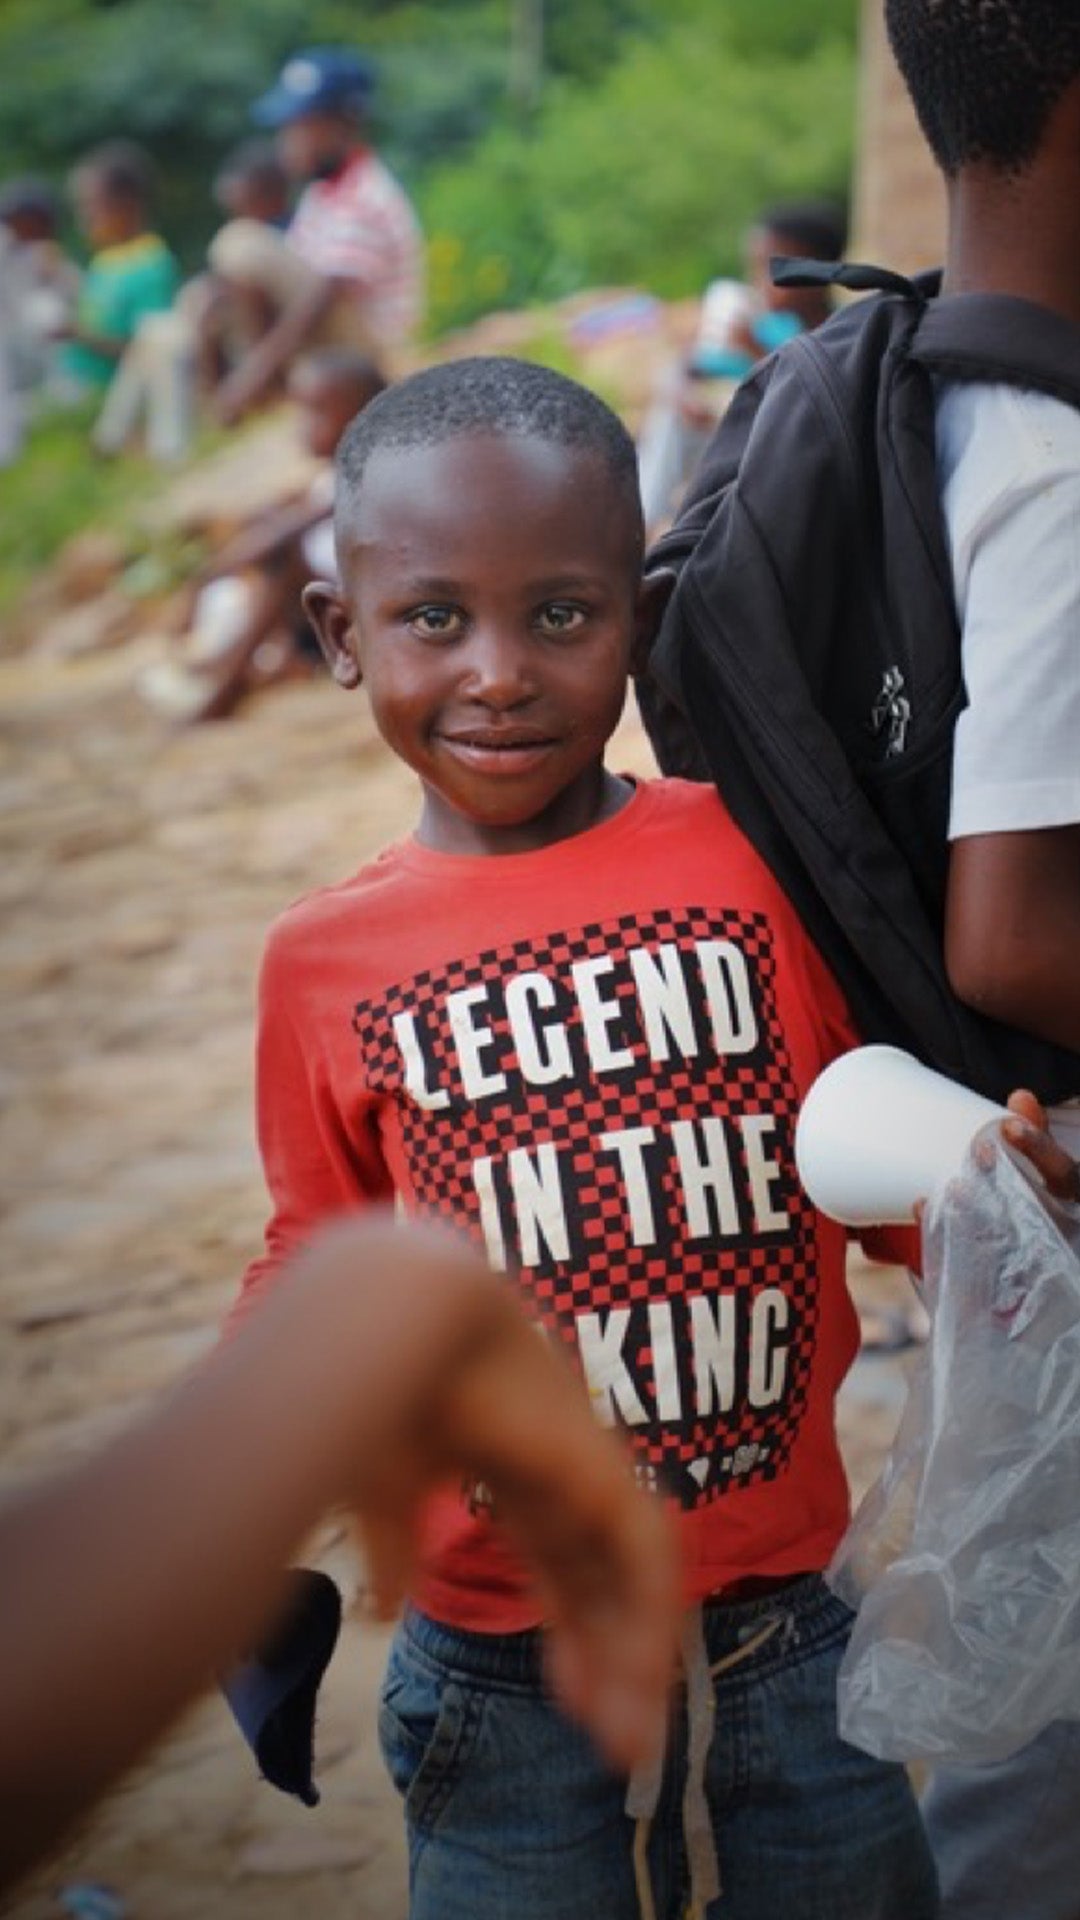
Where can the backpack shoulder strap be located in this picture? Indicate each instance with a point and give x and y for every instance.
(998, 337)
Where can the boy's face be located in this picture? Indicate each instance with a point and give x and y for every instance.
(30, 224)
(490, 603)
(106, 218)
(243, 197)
(314, 146)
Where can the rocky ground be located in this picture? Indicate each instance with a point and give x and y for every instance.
(139, 869)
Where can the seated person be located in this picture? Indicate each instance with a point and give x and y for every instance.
(740, 323)
(209, 327)
(251, 184)
(131, 271)
(348, 269)
(243, 621)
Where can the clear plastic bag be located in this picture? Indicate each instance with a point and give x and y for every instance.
(963, 1561)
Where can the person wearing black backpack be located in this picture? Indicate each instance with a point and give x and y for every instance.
(872, 647)
(997, 92)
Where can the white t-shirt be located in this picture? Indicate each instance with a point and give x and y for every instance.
(1009, 467)
(361, 225)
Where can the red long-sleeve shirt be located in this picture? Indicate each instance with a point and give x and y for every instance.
(591, 1059)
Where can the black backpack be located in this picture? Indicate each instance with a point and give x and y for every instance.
(813, 635)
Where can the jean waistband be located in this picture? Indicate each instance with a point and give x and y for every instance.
(516, 1659)
(811, 1614)
(504, 1659)
(753, 1588)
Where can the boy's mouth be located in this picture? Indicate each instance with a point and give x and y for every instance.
(499, 749)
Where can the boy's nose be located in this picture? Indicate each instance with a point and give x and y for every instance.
(498, 669)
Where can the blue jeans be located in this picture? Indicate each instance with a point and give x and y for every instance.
(1006, 1837)
(511, 1815)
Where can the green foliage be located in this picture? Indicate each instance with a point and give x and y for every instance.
(57, 487)
(661, 127)
(181, 78)
(785, 29)
(662, 124)
(649, 177)
(51, 491)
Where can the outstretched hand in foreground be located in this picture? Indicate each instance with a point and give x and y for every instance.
(386, 1361)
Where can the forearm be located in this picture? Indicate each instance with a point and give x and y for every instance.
(264, 540)
(108, 345)
(160, 1558)
(286, 337)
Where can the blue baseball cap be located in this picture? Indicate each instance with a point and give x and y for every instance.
(318, 80)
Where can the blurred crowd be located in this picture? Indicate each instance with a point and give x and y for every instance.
(318, 246)
(311, 290)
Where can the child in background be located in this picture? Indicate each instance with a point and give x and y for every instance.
(575, 1017)
(243, 622)
(175, 355)
(131, 271)
(740, 323)
(41, 285)
(252, 184)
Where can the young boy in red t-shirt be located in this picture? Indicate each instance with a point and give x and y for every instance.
(574, 1015)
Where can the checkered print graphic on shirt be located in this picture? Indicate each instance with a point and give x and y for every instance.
(615, 1264)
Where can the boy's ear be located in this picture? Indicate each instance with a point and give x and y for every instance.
(653, 595)
(332, 621)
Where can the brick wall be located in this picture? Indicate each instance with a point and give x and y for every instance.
(898, 202)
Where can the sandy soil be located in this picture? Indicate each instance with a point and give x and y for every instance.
(139, 870)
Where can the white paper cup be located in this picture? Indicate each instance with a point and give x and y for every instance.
(878, 1131)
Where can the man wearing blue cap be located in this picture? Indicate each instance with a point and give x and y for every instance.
(348, 270)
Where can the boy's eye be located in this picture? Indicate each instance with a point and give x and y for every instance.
(559, 617)
(435, 623)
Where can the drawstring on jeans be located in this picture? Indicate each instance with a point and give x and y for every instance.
(643, 1791)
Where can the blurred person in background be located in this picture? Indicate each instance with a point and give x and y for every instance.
(40, 289)
(347, 271)
(741, 321)
(242, 625)
(131, 271)
(190, 347)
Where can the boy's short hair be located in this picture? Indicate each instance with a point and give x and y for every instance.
(816, 228)
(124, 170)
(28, 195)
(490, 394)
(985, 75)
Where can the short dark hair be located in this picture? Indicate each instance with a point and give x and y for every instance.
(123, 168)
(985, 75)
(28, 194)
(816, 228)
(492, 394)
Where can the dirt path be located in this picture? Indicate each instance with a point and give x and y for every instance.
(139, 871)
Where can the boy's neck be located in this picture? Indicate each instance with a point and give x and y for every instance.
(1003, 239)
(443, 830)
(1020, 233)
